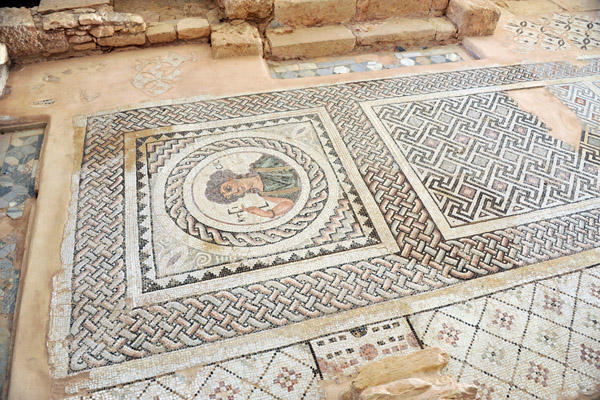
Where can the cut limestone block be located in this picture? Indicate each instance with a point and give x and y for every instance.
(380, 9)
(18, 32)
(310, 42)
(193, 28)
(160, 32)
(314, 12)
(228, 40)
(247, 9)
(473, 17)
(406, 32)
(122, 40)
(445, 31)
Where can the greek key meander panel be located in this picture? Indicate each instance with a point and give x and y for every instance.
(482, 158)
(95, 324)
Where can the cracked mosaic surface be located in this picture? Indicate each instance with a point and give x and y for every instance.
(345, 158)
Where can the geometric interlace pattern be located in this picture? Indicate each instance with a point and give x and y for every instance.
(480, 156)
(105, 329)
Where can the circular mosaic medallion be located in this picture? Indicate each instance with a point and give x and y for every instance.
(246, 191)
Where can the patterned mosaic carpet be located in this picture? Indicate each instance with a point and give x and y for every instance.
(255, 236)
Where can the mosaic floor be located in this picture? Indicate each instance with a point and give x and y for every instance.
(262, 242)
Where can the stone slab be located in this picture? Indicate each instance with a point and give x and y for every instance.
(228, 40)
(18, 32)
(473, 17)
(47, 6)
(314, 12)
(380, 9)
(161, 33)
(407, 32)
(533, 7)
(311, 42)
(193, 28)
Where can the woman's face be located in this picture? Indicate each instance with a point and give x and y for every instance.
(233, 188)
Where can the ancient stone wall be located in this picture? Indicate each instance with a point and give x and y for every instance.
(279, 29)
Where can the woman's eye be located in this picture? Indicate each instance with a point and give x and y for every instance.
(228, 188)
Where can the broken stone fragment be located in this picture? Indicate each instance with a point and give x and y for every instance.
(193, 28)
(473, 17)
(18, 32)
(59, 20)
(229, 40)
(247, 9)
(414, 376)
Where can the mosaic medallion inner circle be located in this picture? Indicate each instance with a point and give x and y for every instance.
(246, 191)
(281, 180)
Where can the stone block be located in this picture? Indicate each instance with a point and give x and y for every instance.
(102, 31)
(380, 9)
(193, 28)
(47, 6)
(314, 12)
(59, 20)
(247, 9)
(122, 40)
(311, 42)
(18, 32)
(473, 17)
(80, 39)
(84, 46)
(445, 31)
(54, 42)
(407, 32)
(161, 33)
(90, 19)
(228, 40)
(4, 59)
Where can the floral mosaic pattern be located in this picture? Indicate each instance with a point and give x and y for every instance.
(559, 32)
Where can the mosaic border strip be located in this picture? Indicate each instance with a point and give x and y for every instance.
(104, 331)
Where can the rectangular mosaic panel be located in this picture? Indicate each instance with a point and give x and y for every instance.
(169, 255)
